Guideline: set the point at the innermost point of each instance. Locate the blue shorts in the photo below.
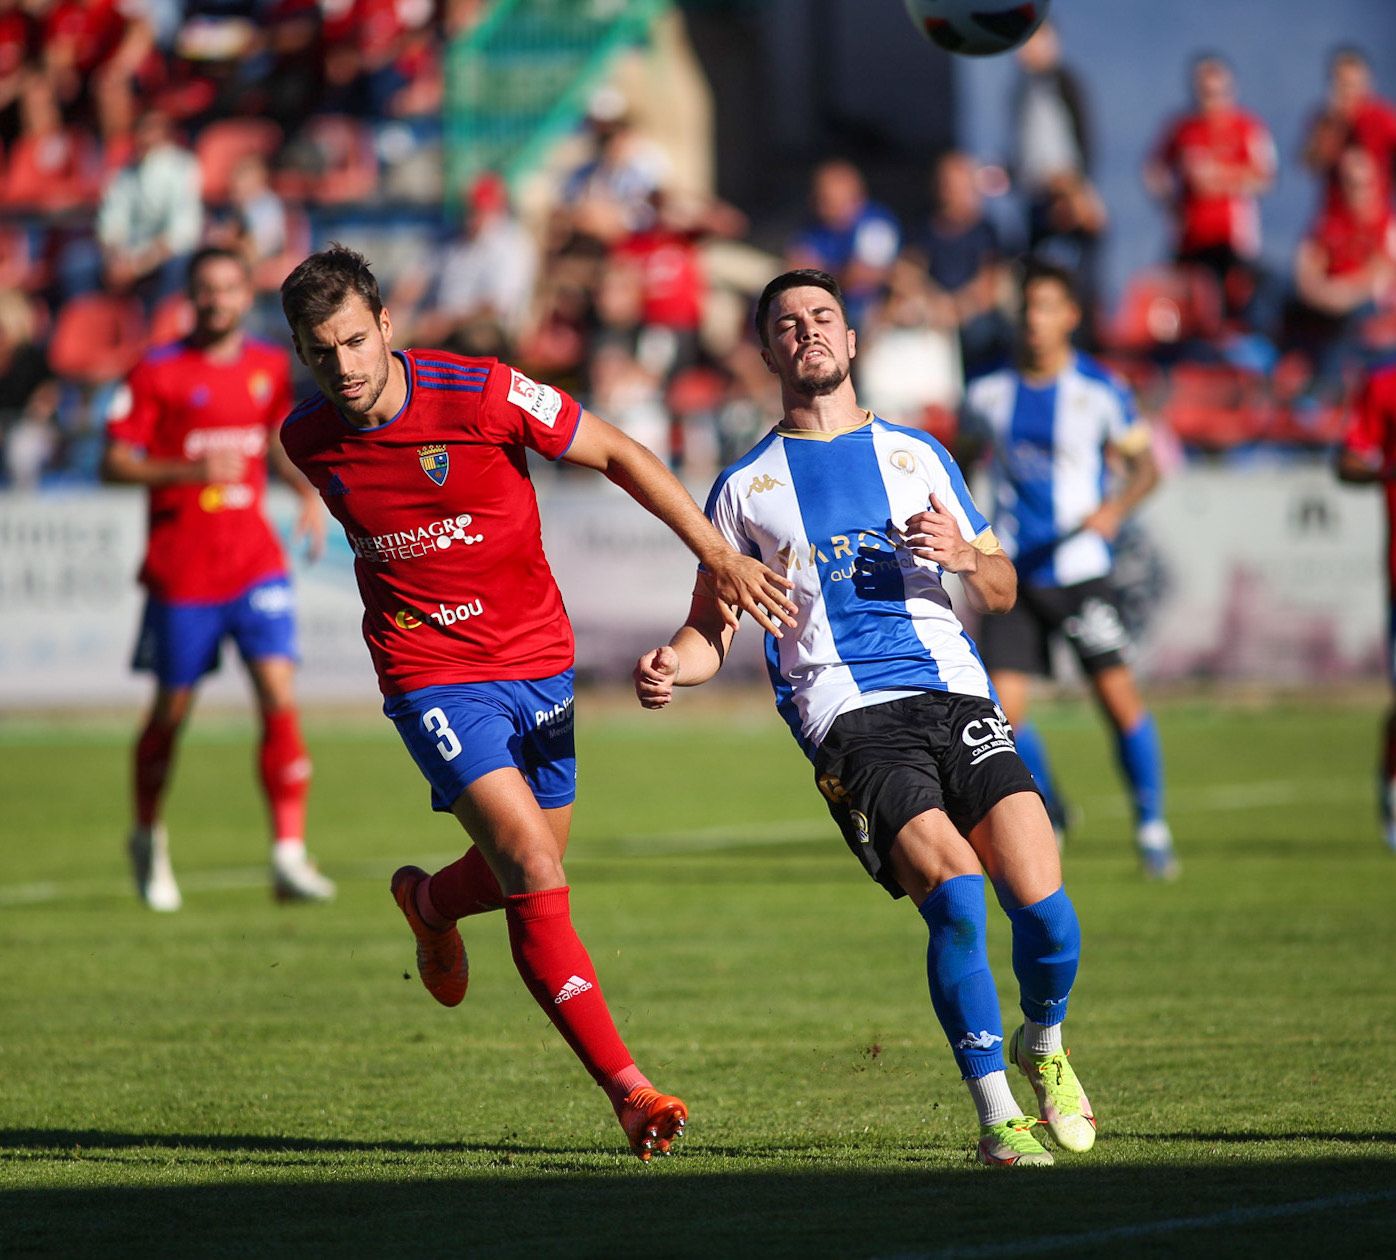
(459, 732)
(179, 643)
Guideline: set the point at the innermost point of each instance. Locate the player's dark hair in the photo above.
(209, 252)
(802, 278)
(317, 288)
(1038, 270)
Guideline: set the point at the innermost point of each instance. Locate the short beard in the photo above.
(369, 400)
(822, 380)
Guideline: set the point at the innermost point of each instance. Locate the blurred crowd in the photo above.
(135, 130)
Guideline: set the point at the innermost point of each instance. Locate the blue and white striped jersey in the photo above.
(874, 621)
(1048, 468)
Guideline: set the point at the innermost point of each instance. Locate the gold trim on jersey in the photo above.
(987, 543)
(816, 435)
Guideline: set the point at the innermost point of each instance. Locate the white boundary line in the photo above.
(1148, 1229)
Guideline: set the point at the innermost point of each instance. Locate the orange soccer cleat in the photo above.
(652, 1121)
(441, 960)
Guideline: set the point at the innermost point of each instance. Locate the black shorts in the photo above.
(880, 767)
(1086, 615)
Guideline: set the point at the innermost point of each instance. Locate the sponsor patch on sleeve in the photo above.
(542, 402)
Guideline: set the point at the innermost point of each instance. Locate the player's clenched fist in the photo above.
(656, 673)
(935, 535)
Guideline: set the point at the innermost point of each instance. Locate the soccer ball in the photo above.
(977, 28)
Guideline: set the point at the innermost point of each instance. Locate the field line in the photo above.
(1149, 1229)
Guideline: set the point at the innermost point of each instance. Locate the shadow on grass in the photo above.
(525, 1201)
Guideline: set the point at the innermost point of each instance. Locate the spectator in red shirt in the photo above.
(93, 53)
(1353, 116)
(1344, 268)
(1209, 167)
(18, 39)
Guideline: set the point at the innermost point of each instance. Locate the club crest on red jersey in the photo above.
(436, 462)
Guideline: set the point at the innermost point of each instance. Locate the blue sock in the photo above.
(1141, 758)
(1046, 953)
(957, 965)
(1034, 754)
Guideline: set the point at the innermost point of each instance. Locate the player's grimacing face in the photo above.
(348, 355)
(810, 343)
(221, 295)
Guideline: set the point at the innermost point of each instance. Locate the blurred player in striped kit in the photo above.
(886, 695)
(1058, 425)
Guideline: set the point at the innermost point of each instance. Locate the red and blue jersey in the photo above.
(208, 543)
(1371, 434)
(439, 509)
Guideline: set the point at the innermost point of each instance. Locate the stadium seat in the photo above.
(171, 320)
(268, 274)
(1215, 406)
(51, 173)
(223, 144)
(1166, 306)
(97, 338)
(331, 162)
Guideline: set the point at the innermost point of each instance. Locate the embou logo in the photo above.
(763, 483)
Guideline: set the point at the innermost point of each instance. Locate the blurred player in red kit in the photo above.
(196, 424)
(1368, 454)
(422, 457)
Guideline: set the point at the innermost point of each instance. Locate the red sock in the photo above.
(554, 965)
(285, 768)
(154, 758)
(466, 887)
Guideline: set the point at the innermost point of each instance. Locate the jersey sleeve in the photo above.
(1125, 429)
(134, 409)
(519, 411)
(948, 485)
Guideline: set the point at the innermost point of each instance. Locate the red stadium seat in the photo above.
(97, 338)
(223, 144)
(1215, 406)
(1166, 306)
(171, 320)
(334, 162)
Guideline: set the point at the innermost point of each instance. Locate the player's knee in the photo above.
(1048, 928)
(533, 870)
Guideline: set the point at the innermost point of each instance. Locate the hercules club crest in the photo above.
(436, 462)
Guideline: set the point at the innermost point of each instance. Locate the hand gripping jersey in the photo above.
(874, 622)
(1048, 467)
(440, 512)
(1372, 435)
(208, 543)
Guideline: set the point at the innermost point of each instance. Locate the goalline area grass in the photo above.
(244, 1078)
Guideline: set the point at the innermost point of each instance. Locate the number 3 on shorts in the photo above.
(448, 745)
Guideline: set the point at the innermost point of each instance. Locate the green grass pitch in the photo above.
(248, 1079)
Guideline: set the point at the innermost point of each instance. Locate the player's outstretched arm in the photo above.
(125, 464)
(738, 581)
(691, 657)
(990, 580)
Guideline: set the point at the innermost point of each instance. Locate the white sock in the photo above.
(1042, 1038)
(993, 1100)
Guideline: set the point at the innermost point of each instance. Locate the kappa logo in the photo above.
(435, 461)
(759, 485)
(982, 1040)
(1097, 629)
(574, 987)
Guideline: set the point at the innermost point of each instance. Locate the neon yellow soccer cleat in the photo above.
(1065, 1109)
(1012, 1142)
